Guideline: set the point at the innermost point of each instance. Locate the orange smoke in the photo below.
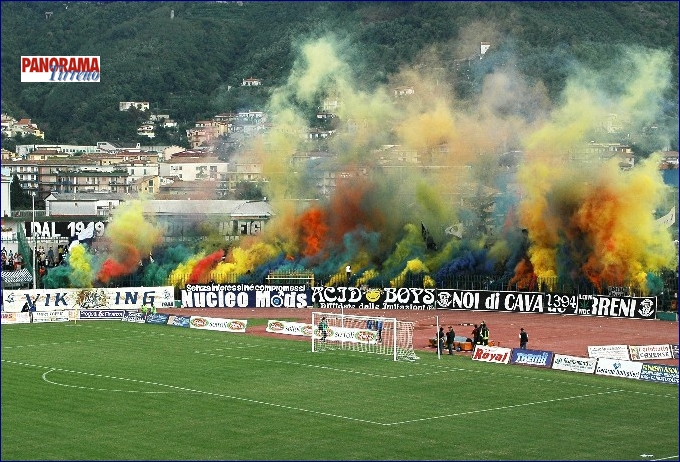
(313, 231)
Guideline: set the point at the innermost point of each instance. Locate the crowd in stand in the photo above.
(11, 261)
(50, 258)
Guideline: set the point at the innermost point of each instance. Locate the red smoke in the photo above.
(351, 208)
(524, 277)
(201, 272)
(113, 268)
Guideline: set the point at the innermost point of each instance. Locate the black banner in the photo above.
(389, 298)
(552, 303)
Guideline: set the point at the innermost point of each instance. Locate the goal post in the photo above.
(366, 334)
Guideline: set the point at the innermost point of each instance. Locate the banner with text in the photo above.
(245, 296)
(617, 368)
(646, 352)
(389, 298)
(539, 302)
(491, 354)
(126, 298)
(289, 328)
(531, 357)
(348, 334)
(52, 316)
(619, 352)
(16, 318)
(574, 364)
(224, 325)
(179, 321)
(659, 373)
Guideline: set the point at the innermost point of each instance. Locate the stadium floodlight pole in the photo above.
(35, 239)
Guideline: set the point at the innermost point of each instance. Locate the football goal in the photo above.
(368, 334)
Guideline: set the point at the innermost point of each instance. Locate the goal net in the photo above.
(368, 334)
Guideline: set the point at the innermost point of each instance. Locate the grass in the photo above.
(104, 390)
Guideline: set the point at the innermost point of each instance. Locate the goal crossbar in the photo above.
(368, 334)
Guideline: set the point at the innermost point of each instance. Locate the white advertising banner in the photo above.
(289, 328)
(16, 318)
(574, 364)
(224, 325)
(348, 334)
(121, 298)
(52, 316)
(619, 352)
(646, 352)
(618, 368)
(491, 354)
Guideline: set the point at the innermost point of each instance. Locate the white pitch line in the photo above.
(70, 342)
(295, 408)
(294, 363)
(501, 408)
(665, 458)
(208, 393)
(317, 366)
(44, 377)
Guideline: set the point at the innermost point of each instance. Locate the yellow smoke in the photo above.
(80, 262)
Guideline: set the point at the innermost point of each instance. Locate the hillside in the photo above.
(191, 65)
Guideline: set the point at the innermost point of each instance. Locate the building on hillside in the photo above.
(90, 204)
(119, 157)
(484, 47)
(23, 150)
(251, 82)
(205, 131)
(147, 129)
(146, 185)
(331, 105)
(245, 169)
(11, 127)
(8, 155)
(140, 105)
(193, 168)
(45, 154)
(6, 207)
(403, 91)
(107, 146)
(138, 169)
(669, 160)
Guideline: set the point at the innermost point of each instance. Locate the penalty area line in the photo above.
(201, 392)
(502, 408)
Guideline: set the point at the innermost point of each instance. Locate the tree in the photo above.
(246, 190)
(19, 199)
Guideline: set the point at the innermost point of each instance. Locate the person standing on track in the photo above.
(484, 333)
(450, 336)
(440, 340)
(523, 338)
(475, 336)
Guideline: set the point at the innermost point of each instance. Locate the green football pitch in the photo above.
(106, 390)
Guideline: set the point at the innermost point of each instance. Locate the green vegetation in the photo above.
(191, 66)
(115, 390)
